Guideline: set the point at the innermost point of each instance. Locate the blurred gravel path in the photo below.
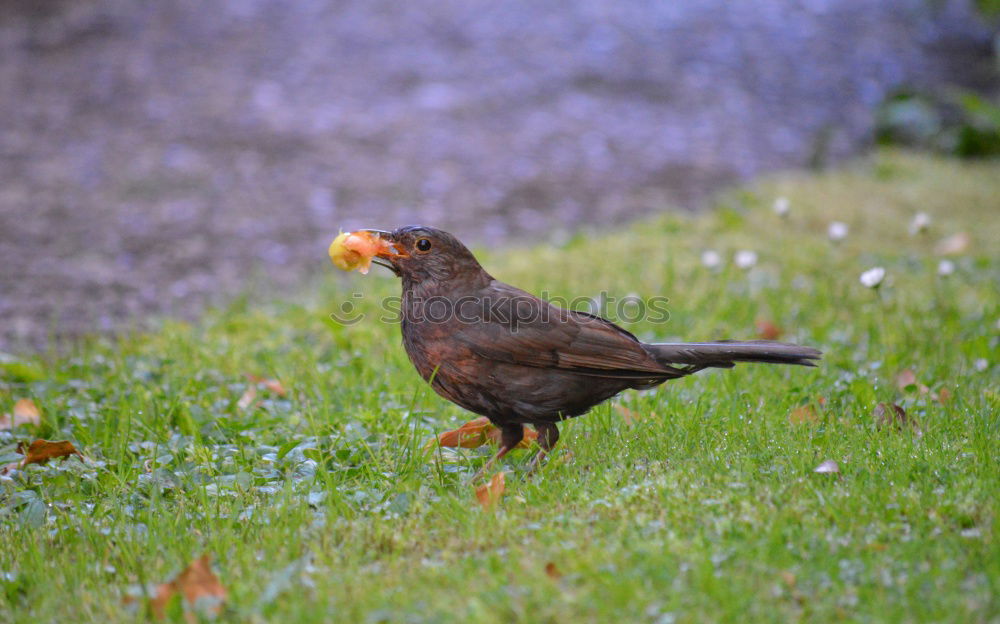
(155, 154)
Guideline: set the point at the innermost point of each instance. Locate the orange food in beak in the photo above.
(355, 250)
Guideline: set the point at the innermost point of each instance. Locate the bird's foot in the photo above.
(479, 473)
(510, 437)
(486, 468)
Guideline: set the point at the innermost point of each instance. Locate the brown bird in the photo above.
(505, 354)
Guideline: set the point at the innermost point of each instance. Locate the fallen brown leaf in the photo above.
(767, 330)
(41, 451)
(272, 385)
(953, 245)
(195, 582)
(248, 397)
(803, 415)
(25, 412)
(553, 571)
(943, 395)
(489, 494)
(478, 432)
(892, 415)
(631, 416)
(905, 379)
(470, 435)
(889, 414)
(827, 467)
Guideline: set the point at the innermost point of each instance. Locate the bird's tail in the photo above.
(725, 354)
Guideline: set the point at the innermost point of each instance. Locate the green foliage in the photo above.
(322, 505)
(962, 123)
(989, 8)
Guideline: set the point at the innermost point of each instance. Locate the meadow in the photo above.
(293, 450)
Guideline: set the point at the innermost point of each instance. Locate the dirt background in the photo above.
(156, 154)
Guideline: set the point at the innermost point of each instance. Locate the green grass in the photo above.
(321, 506)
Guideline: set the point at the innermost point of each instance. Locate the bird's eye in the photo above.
(424, 244)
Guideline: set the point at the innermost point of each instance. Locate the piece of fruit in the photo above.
(355, 250)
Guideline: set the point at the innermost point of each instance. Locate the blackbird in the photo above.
(505, 354)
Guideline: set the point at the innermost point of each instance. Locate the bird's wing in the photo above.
(523, 329)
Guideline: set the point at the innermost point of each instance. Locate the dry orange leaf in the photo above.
(489, 494)
(631, 416)
(271, 385)
(25, 412)
(905, 379)
(803, 415)
(41, 451)
(248, 397)
(194, 582)
(553, 571)
(478, 432)
(470, 435)
(768, 330)
(943, 395)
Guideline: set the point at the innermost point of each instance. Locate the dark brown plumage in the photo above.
(505, 354)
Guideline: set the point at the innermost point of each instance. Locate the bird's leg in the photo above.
(510, 436)
(548, 435)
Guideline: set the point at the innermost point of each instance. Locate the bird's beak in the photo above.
(387, 258)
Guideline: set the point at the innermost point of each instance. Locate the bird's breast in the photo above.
(425, 345)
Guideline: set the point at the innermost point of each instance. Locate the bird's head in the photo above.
(420, 254)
